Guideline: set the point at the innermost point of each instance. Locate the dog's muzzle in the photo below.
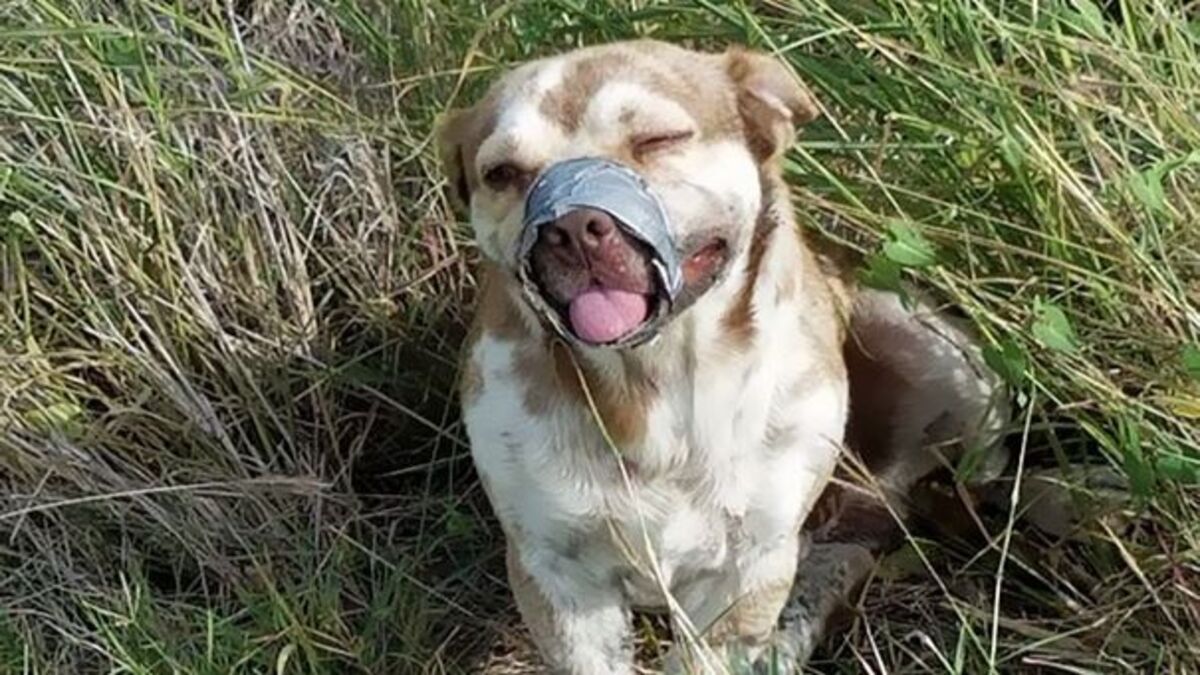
(602, 184)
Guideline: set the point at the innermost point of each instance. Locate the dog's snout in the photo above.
(586, 248)
(583, 229)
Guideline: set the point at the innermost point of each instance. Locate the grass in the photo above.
(232, 291)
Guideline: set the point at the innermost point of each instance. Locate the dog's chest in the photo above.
(723, 459)
(647, 527)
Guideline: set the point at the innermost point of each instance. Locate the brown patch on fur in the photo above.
(689, 82)
(837, 266)
(738, 320)
(566, 104)
(622, 407)
(686, 77)
(538, 378)
(876, 390)
(551, 375)
(459, 136)
(497, 313)
(771, 102)
(470, 383)
(753, 615)
(470, 380)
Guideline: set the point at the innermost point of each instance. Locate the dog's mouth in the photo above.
(601, 294)
(607, 302)
(600, 315)
(597, 258)
(703, 264)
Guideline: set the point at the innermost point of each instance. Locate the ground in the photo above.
(232, 292)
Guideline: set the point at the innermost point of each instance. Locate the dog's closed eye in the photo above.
(650, 143)
(505, 175)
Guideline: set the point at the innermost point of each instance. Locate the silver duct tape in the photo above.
(590, 182)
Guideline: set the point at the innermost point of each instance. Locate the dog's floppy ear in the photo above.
(771, 101)
(451, 130)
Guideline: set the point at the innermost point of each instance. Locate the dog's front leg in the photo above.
(737, 612)
(579, 624)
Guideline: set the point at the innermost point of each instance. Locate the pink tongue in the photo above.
(605, 314)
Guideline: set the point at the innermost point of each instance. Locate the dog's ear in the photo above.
(451, 130)
(772, 102)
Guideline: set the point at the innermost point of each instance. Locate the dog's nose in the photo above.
(583, 229)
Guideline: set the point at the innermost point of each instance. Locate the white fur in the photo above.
(723, 167)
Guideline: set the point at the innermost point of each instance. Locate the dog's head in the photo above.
(701, 132)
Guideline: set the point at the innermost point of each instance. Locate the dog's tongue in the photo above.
(605, 314)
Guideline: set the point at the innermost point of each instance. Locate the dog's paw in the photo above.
(777, 656)
(820, 599)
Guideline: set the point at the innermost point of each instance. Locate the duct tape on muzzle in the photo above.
(596, 183)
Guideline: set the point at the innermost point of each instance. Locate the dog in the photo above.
(680, 472)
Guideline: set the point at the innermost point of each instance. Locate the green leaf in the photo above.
(458, 524)
(122, 52)
(1191, 361)
(1140, 472)
(1008, 360)
(1087, 19)
(62, 417)
(1093, 18)
(1052, 328)
(908, 247)
(1147, 185)
(1178, 468)
(16, 225)
(902, 563)
(881, 273)
(1010, 152)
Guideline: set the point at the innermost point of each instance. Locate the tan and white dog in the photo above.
(678, 474)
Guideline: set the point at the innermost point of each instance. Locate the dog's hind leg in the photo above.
(920, 396)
